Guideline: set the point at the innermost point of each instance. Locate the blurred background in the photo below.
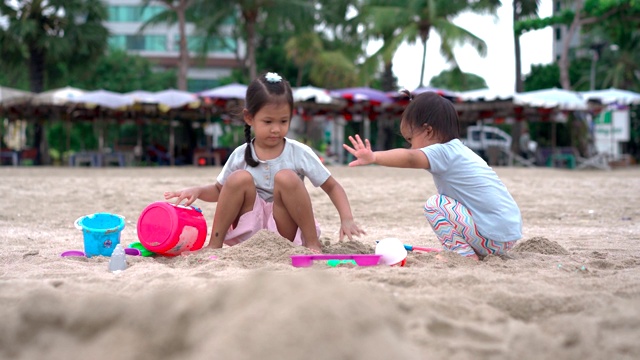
(126, 82)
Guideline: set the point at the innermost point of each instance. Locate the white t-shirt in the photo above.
(295, 156)
(461, 174)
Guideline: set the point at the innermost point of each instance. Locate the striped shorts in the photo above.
(454, 226)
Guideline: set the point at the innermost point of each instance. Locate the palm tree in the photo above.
(48, 35)
(522, 9)
(42, 33)
(258, 19)
(302, 50)
(413, 20)
(619, 43)
(176, 12)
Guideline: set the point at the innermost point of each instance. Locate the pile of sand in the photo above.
(539, 245)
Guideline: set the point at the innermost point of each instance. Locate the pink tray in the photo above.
(360, 259)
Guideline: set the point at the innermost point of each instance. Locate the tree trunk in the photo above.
(250, 23)
(183, 63)
(424, 36)
(563, 64)
(36, 70)
(516, 42)
(299, 78)
(424, 62)
(388, 83)
(36, 84)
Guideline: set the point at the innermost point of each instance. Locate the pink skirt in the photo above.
(260, 218)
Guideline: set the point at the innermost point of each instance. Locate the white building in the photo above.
(160, 43)
(560, 32)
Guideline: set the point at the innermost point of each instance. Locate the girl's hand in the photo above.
(315, 248)
(362, 151)
(350, 229)
(190, 194)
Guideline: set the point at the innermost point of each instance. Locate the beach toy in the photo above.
(141, 249)
(118, 261)
(360, 259)
(101, 232)
(392, 251)
(335, 262)
(128, 251)
(168, 229)
(420, 248)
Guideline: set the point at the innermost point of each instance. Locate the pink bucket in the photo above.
(168, 229)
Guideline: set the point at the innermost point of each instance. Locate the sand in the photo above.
(569, 290)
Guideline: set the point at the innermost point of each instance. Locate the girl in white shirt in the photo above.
(262, 184)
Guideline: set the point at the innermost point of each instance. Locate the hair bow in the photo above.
(273, 77)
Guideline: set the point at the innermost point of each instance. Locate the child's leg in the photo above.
(484, 247)
(292, 209)
(237, 197)
(452, 223)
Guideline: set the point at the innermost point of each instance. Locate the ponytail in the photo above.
(248, 156)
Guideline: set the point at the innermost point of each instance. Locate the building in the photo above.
(560, 32)
(160, 43)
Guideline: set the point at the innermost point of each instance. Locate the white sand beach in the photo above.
(570, 289)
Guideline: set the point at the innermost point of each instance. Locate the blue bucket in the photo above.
(101, 232)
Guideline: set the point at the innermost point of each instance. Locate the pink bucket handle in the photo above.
(189, 207)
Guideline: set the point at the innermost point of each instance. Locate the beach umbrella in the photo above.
(173, 99)
(485, 94)
(59, 96)
(11, 96)
(612, 96)
(141, 96)
(451, 95)
(103, 98)
(312, 93)
(358, 94)
(551, 98)
(363, 95)
(230, 91)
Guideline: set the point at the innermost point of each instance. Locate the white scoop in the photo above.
(392, 251)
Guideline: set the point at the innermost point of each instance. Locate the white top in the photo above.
(295, 156)
(461, 174)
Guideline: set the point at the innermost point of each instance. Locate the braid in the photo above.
(248, 157)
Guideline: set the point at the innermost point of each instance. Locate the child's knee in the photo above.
(287, 179)
(239, 178)
(433, 202)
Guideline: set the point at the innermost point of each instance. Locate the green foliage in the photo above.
(457, 80)
(548, 76)
(82, 137)
(564, 18)
(413, 20)
(40, 34)
(120, 72)
(333, 70)
(273, 57)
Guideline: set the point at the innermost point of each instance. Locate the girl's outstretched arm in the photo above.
(401, 158)
(339, 199)
(207, 193)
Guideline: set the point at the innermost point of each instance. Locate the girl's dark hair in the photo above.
(262, 92)
(431, 109)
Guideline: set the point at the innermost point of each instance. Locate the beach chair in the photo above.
(598, 161)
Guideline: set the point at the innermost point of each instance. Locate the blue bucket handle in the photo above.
(77, 222)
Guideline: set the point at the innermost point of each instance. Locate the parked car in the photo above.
(480, 138)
